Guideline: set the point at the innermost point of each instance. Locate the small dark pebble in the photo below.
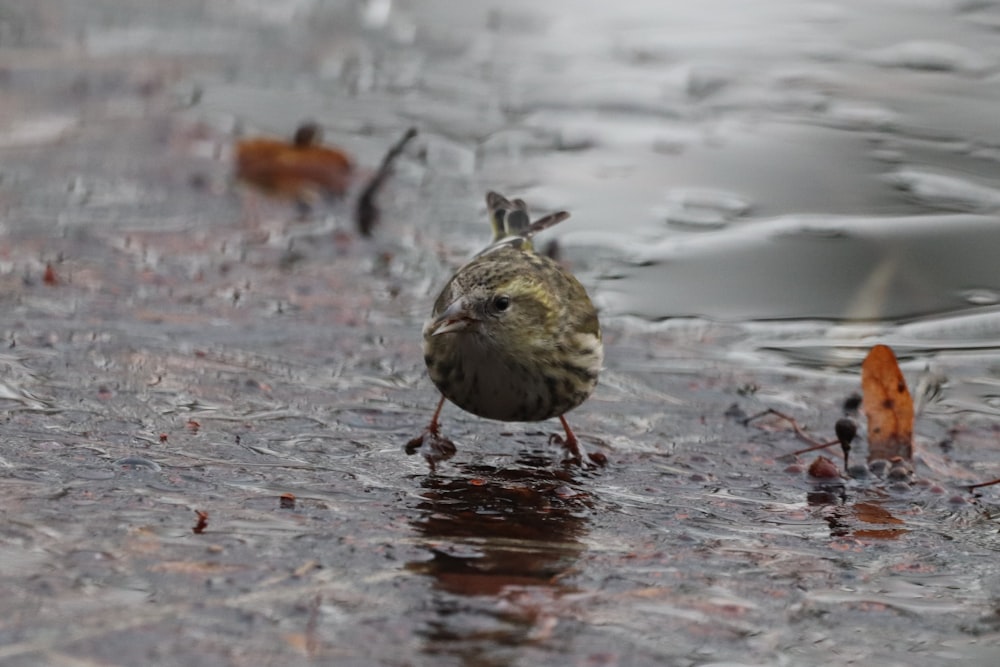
(958, 500)
(795, 469)
(899, 487)
(823, 468)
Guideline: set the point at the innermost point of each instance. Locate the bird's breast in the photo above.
(488, 383)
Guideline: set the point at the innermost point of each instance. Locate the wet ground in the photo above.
(759, 195)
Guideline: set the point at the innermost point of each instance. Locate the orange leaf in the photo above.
(887, 405)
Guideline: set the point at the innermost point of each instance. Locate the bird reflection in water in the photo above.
(501, 543)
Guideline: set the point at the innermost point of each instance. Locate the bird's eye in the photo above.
(501, 303)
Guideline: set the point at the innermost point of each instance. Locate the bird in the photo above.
(303, 170)
(513, 336)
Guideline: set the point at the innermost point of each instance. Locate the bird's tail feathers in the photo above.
(510, 218)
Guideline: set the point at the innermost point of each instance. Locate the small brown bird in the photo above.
(513, 336)
(303, 171)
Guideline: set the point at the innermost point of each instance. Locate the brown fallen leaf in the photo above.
(887, 405)
(303, 170)
(202, 524)
(874, 513)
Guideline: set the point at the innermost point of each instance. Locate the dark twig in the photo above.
(973, 487)
(802, 435)
(367, 214)
(820, 445)
(845, 428)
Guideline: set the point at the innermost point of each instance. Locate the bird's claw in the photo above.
(432, 446)
(572, 447)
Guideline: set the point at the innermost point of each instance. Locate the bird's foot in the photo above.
(572, 447)
(432, 446)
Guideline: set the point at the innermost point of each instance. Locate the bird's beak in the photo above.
(456, 317)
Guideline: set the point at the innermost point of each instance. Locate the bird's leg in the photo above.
(430, 443)
(435, 426)
(572, 445)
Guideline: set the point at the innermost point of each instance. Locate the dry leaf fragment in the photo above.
(202, 524)
(887, 405)
(303, 170)
(875, 513)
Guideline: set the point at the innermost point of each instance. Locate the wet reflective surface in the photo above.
(758, 197)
